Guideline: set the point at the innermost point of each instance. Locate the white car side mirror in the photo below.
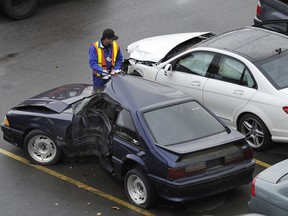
(168, 70)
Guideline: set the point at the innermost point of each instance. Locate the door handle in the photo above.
(238, 92)
(196, 83)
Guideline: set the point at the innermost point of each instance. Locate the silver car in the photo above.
(269, 192)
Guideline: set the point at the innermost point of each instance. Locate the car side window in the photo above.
(195, 63)
(234, 71)
(125, 128)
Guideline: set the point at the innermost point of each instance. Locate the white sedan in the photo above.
(242, 76)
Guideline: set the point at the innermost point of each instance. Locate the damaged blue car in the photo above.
(157, 140)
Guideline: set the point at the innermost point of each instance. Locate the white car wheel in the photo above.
(41, 148)
(256, 133)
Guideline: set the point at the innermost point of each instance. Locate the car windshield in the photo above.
(275, 69)
(186, 45)
(181, 123)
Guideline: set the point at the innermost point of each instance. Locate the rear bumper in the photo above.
(201, 187)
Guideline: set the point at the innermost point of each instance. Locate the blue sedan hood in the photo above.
(58, 99)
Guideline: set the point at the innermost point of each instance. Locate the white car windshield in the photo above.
(181, 123)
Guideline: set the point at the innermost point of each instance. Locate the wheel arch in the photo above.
(260, 114)
(31, 128)
(130, 162)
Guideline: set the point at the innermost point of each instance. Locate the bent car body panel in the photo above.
(58, 99)
(155, 48)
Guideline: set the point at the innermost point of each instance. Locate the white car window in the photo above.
(276, 68)
(234, 71)
(247, 79)
(195, 63)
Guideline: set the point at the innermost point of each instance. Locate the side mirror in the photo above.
(168, 70)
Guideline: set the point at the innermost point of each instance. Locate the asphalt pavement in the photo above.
(50, 49)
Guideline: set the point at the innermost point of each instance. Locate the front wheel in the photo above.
(256, 133)
(138, 189)
(41, 149)
(19, 9)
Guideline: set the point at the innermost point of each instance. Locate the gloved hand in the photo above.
(113, 72)
(105, 73)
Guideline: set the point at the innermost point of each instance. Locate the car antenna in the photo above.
(279, 51)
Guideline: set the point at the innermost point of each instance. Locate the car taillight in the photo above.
(258, 9)
(190, 170)
(285, 108)
(6, 122)
(176, 173)
(253, 191)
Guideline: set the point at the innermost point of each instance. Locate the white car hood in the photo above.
(153, 49)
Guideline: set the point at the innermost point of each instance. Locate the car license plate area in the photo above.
(215, 163)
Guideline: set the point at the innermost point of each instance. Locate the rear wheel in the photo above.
(138, 189)
(18, 9)
(41, 149)
(255, 131)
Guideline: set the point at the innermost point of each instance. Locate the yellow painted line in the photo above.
(261, 163)
(77, 183)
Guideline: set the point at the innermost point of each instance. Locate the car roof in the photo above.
(137, 93)
(251, 42)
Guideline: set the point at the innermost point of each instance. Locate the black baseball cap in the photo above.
(109, 33)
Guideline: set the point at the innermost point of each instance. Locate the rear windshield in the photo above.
(275, 69)
(181, 123)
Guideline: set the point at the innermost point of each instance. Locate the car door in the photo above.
(189, 73)
(126, 142)
(91, 133)
(91, 128)
(230, 89)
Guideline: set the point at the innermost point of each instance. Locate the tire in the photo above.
(256, 133)
(19, 9)
(138, 189)
(41, 149)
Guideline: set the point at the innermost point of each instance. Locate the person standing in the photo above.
(104, 57)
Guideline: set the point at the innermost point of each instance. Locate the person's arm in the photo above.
(93, 60)
(119, 60)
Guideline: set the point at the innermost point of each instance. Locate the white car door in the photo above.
(188, 73)
(229, 90)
